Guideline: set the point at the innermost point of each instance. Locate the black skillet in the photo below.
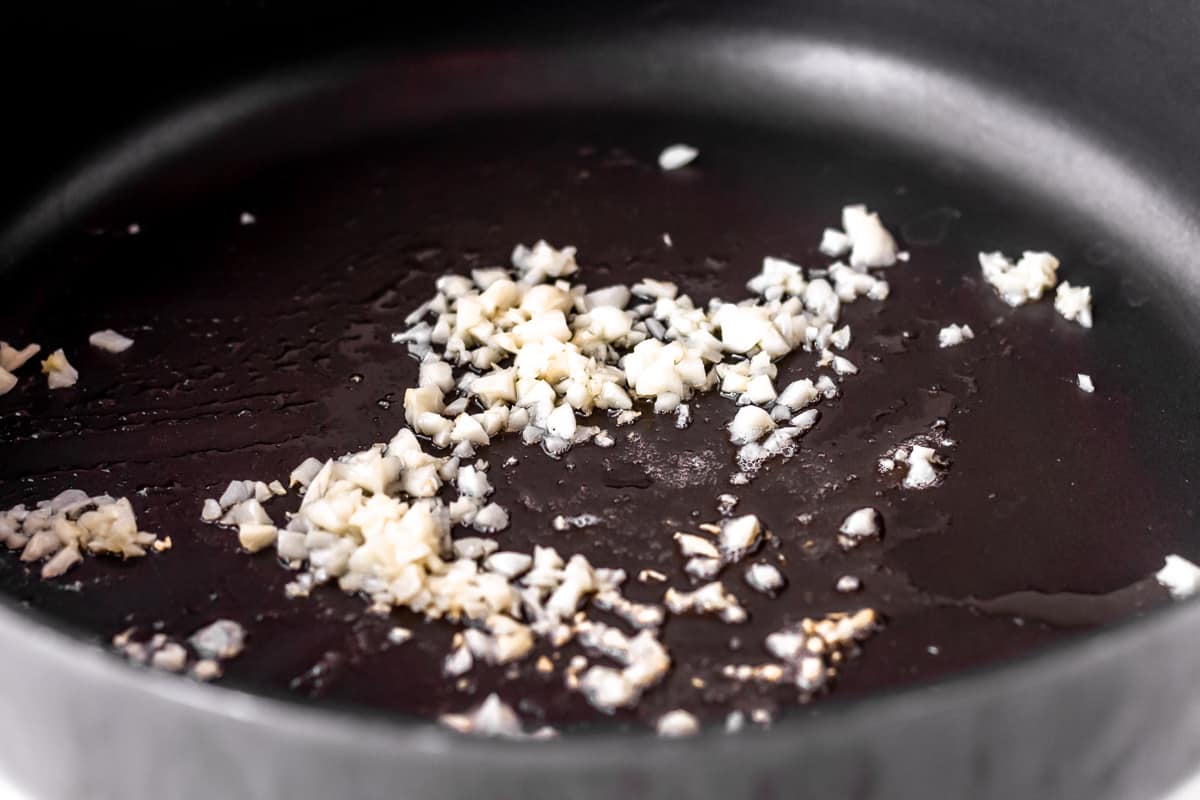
(973, 125)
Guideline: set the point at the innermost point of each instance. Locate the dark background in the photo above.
(74, 75)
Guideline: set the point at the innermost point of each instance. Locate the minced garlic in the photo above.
(1023, 281)
(61, 531)
(59, 372)
(110, 341)
(677, 156)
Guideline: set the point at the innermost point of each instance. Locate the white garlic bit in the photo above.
(738, 537)
(110, 341)
(12, 359)
(1084, 382)
(764, 578)
(59, 372)
(677, 724)
(848, 584)
(1074, 303)
(691, 545)
(1180, 577)
(798, 394)
(749, 425)
(712, 598)
(255, 536)
(871, 245)
(857, 527)
(843, 366)
(60, 531)
(222, 639)
(643, 658)
(921, 472)
(304, 474)
(954, 335)
(834, 243)
(676, 156)
(528, 350)
(1019, 283)
(493, 718)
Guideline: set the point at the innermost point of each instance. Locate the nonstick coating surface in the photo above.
(248, 338)
(260, 345)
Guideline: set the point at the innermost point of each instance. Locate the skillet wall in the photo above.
(76, 75)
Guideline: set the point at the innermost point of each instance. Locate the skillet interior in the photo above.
(327, 216)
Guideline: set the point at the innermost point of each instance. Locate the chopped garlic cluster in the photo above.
(736, 538)
(526, 350)
(711, 598)
(60, 374)
(643, 663)
(1030, 277)
(1023, 281)
(12, 359)
(241, 506)
(809, 652)
(812, 649)
(209, 647)
(371, 522)
(860, 526)
(493, 718)
(73, 524)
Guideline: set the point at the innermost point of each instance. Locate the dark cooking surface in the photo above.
(249, 339)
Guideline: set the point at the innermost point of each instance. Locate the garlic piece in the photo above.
(1019, 283)
(59, 372)
(871, 245)
(764, 578)
(954, 335)
(110, 341)
(677, 156)
(863, 524)
(798, 394)
(921, 472)
(254, 536)
(749, 425)
(1074, 303)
